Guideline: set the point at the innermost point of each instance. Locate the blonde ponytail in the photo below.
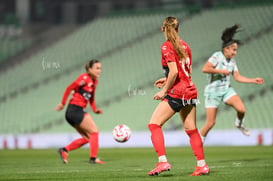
(170, 26)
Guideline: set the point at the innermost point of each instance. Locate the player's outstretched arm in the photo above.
(239, 78)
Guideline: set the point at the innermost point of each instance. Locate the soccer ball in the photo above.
(121, 133)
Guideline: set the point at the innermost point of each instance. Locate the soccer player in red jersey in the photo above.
(178, 94)
(84, 91)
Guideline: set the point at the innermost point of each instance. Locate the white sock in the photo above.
(238, 122)
(162, 158)
(203, 138)
(201, 163)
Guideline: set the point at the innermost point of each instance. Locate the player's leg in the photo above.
(188, 116)
(75, 144)
(210, 122)
(74, 116)
(238, 105)
(162, 113)
(212, 103)
(90, 130)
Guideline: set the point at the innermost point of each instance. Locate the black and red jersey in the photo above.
(84, 91)
(183, 87)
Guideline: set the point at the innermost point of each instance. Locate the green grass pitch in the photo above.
(226, 163)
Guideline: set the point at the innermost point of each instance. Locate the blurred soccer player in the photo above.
(84, 91)
(178, 94)
(219, 67)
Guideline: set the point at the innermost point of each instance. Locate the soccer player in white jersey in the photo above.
(219, 67)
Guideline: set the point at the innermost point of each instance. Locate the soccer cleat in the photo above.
(244, 130)
(63, 155)
(241, 127)
(160, 167)
(200, 170)
(96, 161)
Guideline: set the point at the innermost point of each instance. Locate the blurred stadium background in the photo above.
(44, 45)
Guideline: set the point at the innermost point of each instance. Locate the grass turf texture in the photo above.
(226, 163)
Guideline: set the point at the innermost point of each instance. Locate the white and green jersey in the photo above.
(219, 83)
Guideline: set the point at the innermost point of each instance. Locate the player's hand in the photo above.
(160, 83)
(98, 111)
(160, 95)
(59, 107)
(259, 80)
(225, 72)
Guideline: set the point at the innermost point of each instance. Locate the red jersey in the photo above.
(183, 87)
(84, 91)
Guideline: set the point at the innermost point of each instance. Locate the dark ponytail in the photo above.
(228, 34)
(90, 64)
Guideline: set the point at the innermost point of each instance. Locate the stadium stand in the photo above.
(130, 65)
(41, 67)
(92, 40)
(11, 37)
(200, 80)
(11, 46)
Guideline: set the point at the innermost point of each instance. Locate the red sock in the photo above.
(196, 144)
(157, 139)
(94, 144)
(76, 144)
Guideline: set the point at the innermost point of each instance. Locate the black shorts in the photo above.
(177, 104)
(74, 114)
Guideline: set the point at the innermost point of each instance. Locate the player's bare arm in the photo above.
(209, 68)
(171, 78)
(160, 82)
(239, 78)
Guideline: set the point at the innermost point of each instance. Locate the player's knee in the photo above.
(95, 130)
(91, 131)
(154, 121)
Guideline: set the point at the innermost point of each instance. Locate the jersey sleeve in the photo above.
(76, 83)
(92, 99)
(67, 91)
(235, 68)
(81, 80)
(213, 59)
(168, 53)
